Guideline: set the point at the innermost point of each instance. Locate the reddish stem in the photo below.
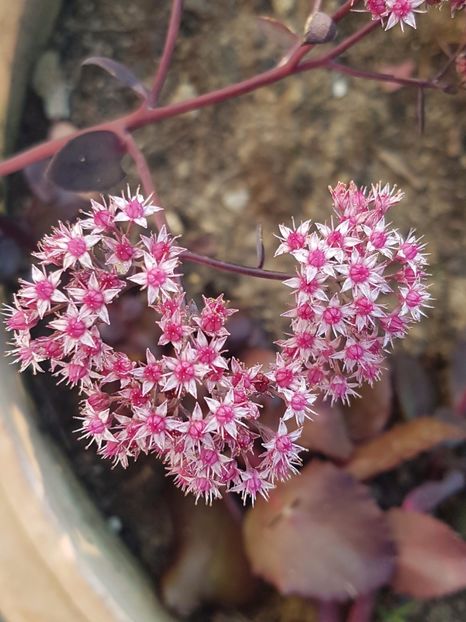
(450, 61)
(384, 77)
(340, 48)
(143, 115)
(225, 266)
(344, 10)
(145, 176)
(160, 220)
(170, 42)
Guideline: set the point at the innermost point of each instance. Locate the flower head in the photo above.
(188, 401)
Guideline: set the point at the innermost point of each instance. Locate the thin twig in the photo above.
(344, 10)
(438, 76)
(225, 266)
(260, 250)
(160, 220)
(170, 41)
(421, 110)
(145, 176)
(347, 43)
(385, 77)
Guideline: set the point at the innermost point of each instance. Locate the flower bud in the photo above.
(319, 28)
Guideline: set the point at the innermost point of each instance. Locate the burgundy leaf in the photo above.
(119, 71)
(431, 556)
(320, 535)
(50, 203)
(367, 415)
(327, 432)
(400, 443)
(89, 162)
(426, 496)
(67, 204)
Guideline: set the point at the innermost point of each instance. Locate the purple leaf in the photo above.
(427, 496)
(89, 162)
(431, 557)
(327, 432)
(65, 202)
(320, 535)
(119, 71)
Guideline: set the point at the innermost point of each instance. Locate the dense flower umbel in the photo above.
(358, 285)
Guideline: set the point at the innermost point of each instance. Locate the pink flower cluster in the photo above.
(393, 12)
(358, 286)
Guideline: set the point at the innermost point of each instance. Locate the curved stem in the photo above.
(160, 220)
(145, 176)
(384, 77)
(170, 41)
(344, 10)
(225, 266)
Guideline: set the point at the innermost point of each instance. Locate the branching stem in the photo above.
(145, 114)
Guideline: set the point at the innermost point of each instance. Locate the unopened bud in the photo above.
(320, 28)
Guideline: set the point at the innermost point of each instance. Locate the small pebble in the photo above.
(339, 87)
(236, 200)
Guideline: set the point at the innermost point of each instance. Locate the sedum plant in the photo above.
(358, 285)
(355, 285)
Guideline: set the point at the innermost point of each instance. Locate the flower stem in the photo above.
(170, 41)
(225, 266)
